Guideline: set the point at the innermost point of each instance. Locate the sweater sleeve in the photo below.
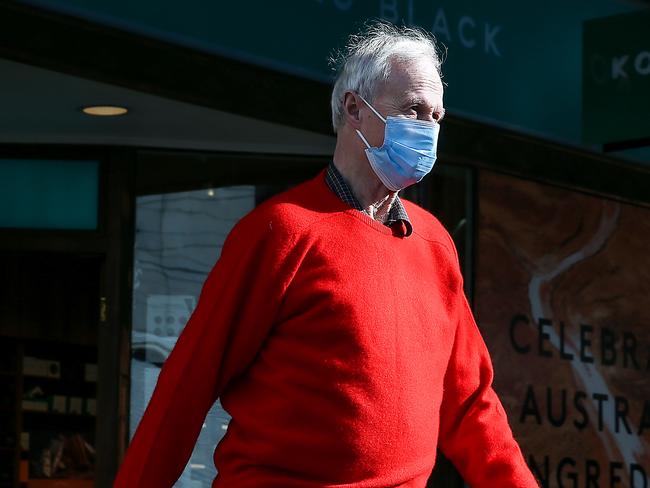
(474, 430)
(233, 316)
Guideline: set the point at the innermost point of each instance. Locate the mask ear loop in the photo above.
(372, 108)
(363, 139)
(376, 113)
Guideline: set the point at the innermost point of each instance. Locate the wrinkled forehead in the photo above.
(412, 77)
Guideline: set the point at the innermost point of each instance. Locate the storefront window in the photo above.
(178, 239)
(561, 299)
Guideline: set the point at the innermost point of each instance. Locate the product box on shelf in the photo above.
(41, 367)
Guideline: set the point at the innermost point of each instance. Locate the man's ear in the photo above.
(351, 106)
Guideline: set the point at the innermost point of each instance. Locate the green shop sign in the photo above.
(509, 63)
(616, 78)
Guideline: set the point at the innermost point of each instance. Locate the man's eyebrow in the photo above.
(413, 100)
(410, 100)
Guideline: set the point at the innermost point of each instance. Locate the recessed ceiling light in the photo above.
(104, 110)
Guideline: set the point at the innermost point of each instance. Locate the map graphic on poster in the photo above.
(561, 295)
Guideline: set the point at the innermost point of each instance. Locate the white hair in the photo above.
(364, 63)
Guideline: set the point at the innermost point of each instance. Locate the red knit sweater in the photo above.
(344, 354)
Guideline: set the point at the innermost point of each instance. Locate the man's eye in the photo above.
(412, 112)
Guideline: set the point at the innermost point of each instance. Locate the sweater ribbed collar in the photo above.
(342, 189)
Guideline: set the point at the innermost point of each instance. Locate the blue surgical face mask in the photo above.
(408, 152)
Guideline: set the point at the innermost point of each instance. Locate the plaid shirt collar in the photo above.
(339, 186)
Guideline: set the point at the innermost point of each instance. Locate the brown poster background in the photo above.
(562, 297)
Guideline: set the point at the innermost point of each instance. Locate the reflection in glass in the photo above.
(178, 238)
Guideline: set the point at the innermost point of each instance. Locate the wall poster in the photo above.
(562, 298)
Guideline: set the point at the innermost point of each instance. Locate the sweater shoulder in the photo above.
(287, 214)
(428, 227)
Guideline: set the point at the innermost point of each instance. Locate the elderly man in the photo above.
(334, 327)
